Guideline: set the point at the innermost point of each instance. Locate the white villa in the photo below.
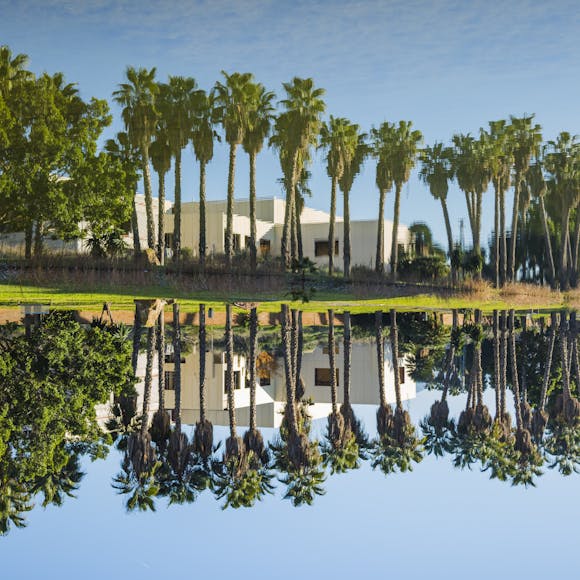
(270, 222)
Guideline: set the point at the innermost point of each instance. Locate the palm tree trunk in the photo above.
(294, 228)
(346, 232)
(503, 252)
(395, 355)
(136, 340)
(394, 243)
(565, 359)
(202, 220)
(38, 238)
(253, 234)
(290, 383)
(229, 250)
(515, 215)
(161, 220)
(253, 352)
(161, 360)
(564, 224)
(477, 233)
(202, 357)
(230, 371)
(503, 362)
(148, 379)
(347, 359)
(549, 253)
(449, 237)
(177, 225)
(496, 356)
(290, 199)
(299, 231)
(380, 260)
(331, 226)
(177, 359)
(548, 367)
(514, 368)
(332, 361)
(496, 236)
(575, 248)
(380, 357)
(148, 194)
(300, 347)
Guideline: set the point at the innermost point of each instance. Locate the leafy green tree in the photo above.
(160, 153)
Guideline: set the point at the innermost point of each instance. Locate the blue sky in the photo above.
(449, 66)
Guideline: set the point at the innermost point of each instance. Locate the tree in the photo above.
(296, 130)
(258, 128)
(138, 98)
(160, 153)
(202, 136)
(436, 172)
(339, 138)
(178, 102)
(351, 170)
(233, 97)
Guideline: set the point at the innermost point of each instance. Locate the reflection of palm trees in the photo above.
(15, 500)
(398, 447)
(540, 416)
(436, 427)
(567, 407)
(161, 424)
(203, 436)
(339, 450)
(295, 455)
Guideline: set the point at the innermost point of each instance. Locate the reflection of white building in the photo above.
(271, 393)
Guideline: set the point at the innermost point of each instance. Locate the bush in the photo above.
(423, 268)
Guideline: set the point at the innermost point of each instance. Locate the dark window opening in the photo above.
(321, 248)
(264, 248)
(169, 381)
(322, 377)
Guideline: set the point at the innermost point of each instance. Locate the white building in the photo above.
(269, 226)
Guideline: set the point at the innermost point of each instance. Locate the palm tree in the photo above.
(402, 155)
(203, 436)
(351, 170)
(161, 425)
(526, 139)
(178, 103)
(437, 172)
(15, 500)
(296, 131)
(500, 160)
(233, 98)
(384, 181)
(258, 128)
(538, 189)
(12, 70)
(339, 138)
(202, 136)
(471, 167)
(137, 97)
(561, 160)
(160, 154)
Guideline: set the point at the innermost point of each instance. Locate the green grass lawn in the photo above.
(121, 298)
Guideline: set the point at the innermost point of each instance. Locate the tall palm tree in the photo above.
(402, 155)
(339, 138)
(351, 170)
(259, 120)
(500, 161)
(296, 131)
(561, 160)
(160, 154)
(233, 98)
(137, 97)
(437, 171)
(178, 99)
(384, 180)
(202, 137)
(526, 139)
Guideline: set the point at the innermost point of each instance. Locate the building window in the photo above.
(169, 381)
(237, 380)
(265, 381)
(170, 358)
(236, 242)
(322, 377)
(326, 350)
(321, 248)
(264, 248)
(247, 241)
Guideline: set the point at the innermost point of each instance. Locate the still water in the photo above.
(429, 468)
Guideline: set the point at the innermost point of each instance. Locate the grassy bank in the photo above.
(91, 296)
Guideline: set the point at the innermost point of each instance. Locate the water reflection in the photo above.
(280, 376)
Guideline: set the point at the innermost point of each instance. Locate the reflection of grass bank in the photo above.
(89, 296)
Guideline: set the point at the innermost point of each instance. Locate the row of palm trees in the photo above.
(161, 119)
